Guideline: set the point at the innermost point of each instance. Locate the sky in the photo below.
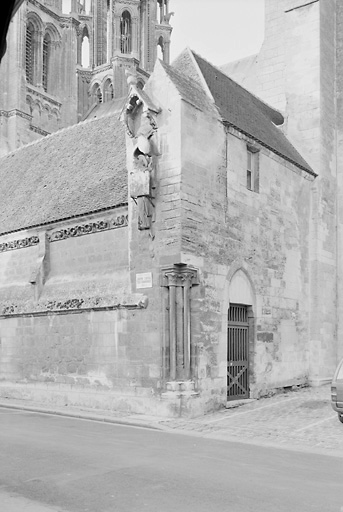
(219, 30)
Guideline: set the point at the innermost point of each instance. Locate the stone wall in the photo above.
(297, 71)
(71, 331)
(339, 128)
(227, 228)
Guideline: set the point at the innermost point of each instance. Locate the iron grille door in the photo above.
(238, 353)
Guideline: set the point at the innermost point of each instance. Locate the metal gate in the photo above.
(238, 353)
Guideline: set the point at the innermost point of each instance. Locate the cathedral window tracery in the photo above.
(125, 33)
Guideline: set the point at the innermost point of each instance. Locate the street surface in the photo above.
(302, 420)
(58, 464)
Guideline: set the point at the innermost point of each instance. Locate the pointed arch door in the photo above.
(238, 352)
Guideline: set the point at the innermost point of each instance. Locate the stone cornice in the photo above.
(103, 67)
(64, 20)
(36, 129)
(43, 95)
(45, 9)
(129, 2)
(69, 22)
(15, 112)
(143, 72)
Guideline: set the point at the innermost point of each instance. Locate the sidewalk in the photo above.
(301, 420)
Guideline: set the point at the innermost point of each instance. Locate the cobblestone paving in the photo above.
(300, 419)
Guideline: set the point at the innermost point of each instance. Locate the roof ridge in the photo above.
(182, 75)
(190, 89)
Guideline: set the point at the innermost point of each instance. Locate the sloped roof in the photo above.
(189, 89)
(244, 111)
(75, 171)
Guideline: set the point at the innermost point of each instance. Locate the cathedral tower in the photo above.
(66, 56)
(127, 35)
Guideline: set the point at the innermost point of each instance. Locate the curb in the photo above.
(83, 416)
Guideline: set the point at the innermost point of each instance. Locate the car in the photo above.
(337, 391)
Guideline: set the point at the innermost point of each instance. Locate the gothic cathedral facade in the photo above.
(66, 56)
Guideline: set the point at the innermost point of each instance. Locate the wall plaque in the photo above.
(144, 280)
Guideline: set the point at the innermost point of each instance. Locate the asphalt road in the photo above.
(53, 463)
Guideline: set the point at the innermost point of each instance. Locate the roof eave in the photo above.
(63, 219)
(308, 169)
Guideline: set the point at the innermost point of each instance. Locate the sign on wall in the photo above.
(144, 280)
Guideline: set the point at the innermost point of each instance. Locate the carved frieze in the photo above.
(19, 244)
(62, 234)
(86, 229)
(73, 305)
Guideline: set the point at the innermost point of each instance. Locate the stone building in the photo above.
(298, 72)
(185, 252)
(66, 56)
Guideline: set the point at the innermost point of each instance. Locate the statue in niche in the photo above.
(141, 127)
(143, 168)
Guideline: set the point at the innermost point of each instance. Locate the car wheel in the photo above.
(340, 417)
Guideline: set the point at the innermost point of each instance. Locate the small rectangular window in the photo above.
(249, 179)
(252, 169)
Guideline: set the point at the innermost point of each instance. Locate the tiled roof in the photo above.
(244, 111)
(189, 89)
(78, 170)
(108, 107)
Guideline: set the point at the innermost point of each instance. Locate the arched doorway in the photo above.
(240, 336)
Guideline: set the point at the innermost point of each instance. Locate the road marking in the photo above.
(251, 410)
(314, 424)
